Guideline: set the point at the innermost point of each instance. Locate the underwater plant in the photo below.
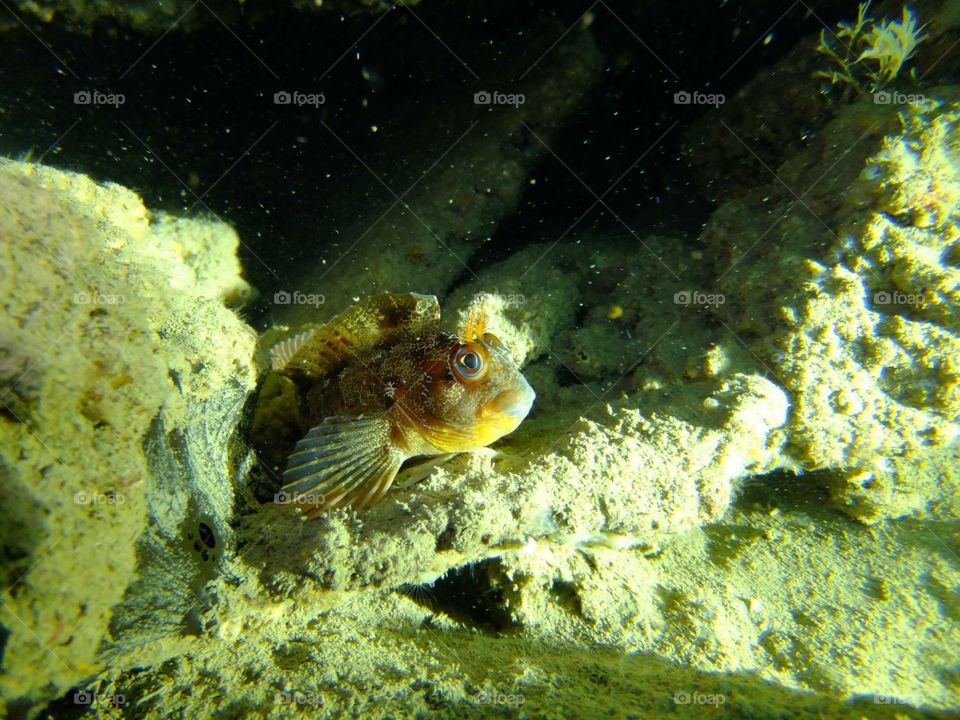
(872, 52)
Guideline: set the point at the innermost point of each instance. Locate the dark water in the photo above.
(199, 131)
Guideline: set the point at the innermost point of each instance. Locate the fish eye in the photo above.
(468, 363)
(471, 360)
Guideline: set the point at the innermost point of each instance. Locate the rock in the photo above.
(117, 352)
(861, 328)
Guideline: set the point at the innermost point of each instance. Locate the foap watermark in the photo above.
(299, 99)
(506, 299)
(683, 97)
(881, 699)
(895, 97)
(95, 97)
(897, 298)
(295, 697)
(493, 697)
(282, 297)
(98, 298)
(285, 498)
(84, 497)
(484, 97)
(682, 697)
(89, 697)
(697, 298)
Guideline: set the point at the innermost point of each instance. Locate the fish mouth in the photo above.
(514, 403)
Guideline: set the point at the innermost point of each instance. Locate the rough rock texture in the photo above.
(861, 326)
(92, 291)
(750, 612)
(732, 597)
(606, 520)
(629, 479)
(529, 302)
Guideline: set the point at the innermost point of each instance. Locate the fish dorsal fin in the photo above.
(379, 319)
(476, 320)
(283, 351)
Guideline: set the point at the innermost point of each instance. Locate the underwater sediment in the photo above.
(738, 485)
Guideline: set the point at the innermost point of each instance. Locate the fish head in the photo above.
(481, 396)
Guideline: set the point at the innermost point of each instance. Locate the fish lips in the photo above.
(513, 404)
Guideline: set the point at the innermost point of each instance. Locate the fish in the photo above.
(348, 402)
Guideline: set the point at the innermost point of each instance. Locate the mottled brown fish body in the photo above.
(379, 384)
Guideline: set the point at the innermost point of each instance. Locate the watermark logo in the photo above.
(299, 99)
(880, 699)
(282, 297)
(295, 697)
(499, 698)
(95, 97)
(683, 97)
(507, 299)
(285, 498)
(697, 298)
(98, 298)
(98, 498)
(895, 97)
(485, 97)
(897, 298)
(88, 697)
(682, 697)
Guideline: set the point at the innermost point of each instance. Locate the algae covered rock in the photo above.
(874, 341)
(767, 593)
(525, 316)
(93, 287)
(860, 324)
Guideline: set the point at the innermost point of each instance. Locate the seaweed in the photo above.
(868, 54)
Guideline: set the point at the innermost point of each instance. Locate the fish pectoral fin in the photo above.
(342, 461)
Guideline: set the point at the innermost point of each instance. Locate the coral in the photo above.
(866, 389)
(92, 288)
(892, 306)
(890, 44)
